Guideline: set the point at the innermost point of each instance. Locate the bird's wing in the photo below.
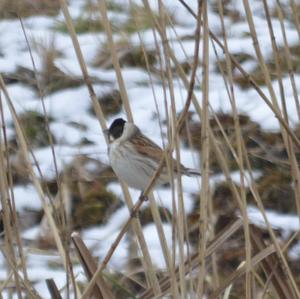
(147, 147)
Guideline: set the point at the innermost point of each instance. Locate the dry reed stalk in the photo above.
(41, 94)
(225, 169)
(97, 108)
(169, 163)
(136, 207)
(279, 252)
(191, 83)
(240, 142)
(25, 152)
(162, 239)
(55, 294)
(215, 145)
(252, 186)
(239, 155)
(287, 55)
(199, 111)
(169, 257)
(260, 57)
(13, 216)
(288, 143)
(5, 283)
(252, 82)
(289, 132)
(12, 269)
(137, 227)
(115, 60)
(149, 269)
(160, 25)
(290, 150)
(139, 203)
(153, 204)
(205, 149)
(8, 250)
(118, 239)
(295, 15)
(295, 171)
(217, 150)
(255, 260)
(272, 267)
(62, 218)
(174, 136)
(23, 284)
(101, 290)
(212, 247)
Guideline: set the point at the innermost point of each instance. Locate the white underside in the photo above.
(132, 168)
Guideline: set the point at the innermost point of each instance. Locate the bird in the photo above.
(134, 157)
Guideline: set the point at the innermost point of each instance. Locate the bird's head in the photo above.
(116, 129)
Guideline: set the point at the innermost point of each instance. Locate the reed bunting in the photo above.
(135, 158)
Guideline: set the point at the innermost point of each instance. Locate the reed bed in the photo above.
(195, 264)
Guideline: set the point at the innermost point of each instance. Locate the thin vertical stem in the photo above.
(205, 149)
(239, 143)
(115, 60)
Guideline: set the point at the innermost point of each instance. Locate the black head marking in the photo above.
(116, 128)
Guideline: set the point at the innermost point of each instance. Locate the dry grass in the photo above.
(218, 255)
(27, 8)
(51, 78)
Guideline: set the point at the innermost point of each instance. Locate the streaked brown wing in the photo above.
(145, 146)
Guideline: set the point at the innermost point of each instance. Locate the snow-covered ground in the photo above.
(73, 105)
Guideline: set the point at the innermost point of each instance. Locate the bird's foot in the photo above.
(143, 197)
(134, 213)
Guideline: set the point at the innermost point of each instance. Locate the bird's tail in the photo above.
(192, 172)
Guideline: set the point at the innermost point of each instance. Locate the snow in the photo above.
(31, 233)
(287, 223)
(294, 252)
(235, 176)
(26, 197)
(153, 242)
(101, 239)
(66, 134)
(64, 156)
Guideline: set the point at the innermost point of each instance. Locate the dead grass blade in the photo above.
(14, 219)
(9, 233)
(295, 12)
(55, 294)
(242, 270)
(115, 60)
(272, 267)
(287, 56)
(101, 289)
(266, 258)
(25, 151)
(86, 77)
(212, 247)
(205, 150)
